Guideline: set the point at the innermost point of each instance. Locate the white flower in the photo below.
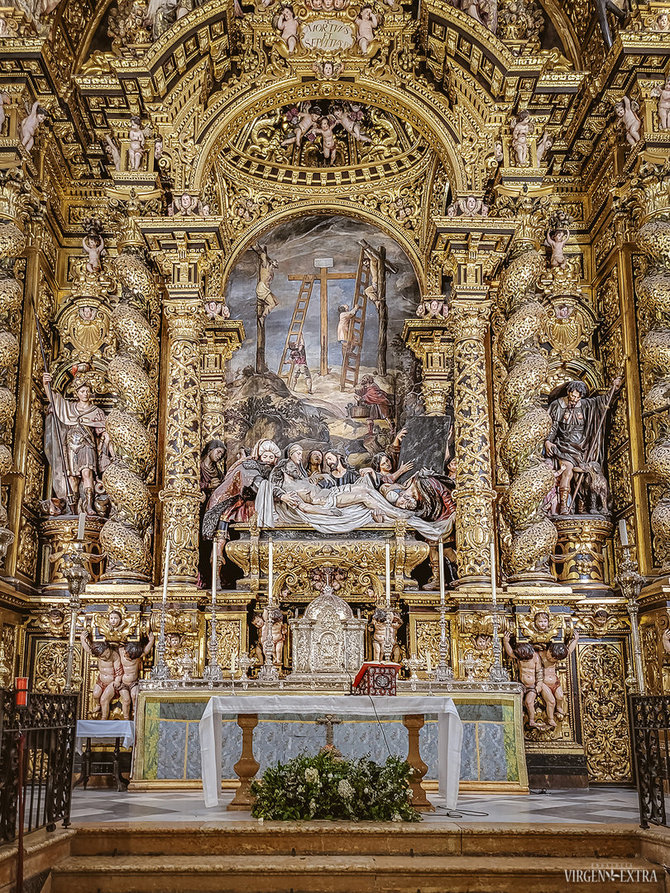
(344, 789)
(311, 775)
(366, 790)
(396, 817)
(312, 807)
(260, 821)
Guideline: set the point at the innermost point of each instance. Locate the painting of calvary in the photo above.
(323, 301)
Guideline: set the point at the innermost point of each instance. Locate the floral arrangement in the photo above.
(328, 787)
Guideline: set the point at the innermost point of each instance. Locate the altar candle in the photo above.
(215, 559)
(493, 573)
(429, 663)
(440, 549)
(623, 532)
(388, 575)
(166, 568)
(270, 574)
(233, 663)
(81, 526)
(21, 691)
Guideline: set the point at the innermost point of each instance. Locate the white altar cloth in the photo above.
(107, 729)
(450, 729)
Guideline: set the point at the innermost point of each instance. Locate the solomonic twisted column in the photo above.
(653, 237)
(133, 374)
(530, 479)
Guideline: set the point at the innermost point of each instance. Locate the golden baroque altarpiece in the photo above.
(519, 161)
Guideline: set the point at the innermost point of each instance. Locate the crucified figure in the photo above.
(377, 266)
(265, 301)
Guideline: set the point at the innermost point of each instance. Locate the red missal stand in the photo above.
(376, 678)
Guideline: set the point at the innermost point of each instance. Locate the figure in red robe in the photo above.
(371, 395)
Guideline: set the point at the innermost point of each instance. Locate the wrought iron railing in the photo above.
(36, 762)
(650, 720)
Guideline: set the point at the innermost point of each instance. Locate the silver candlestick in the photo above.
(443, 672)
(268, 672)
(213, 672)
(388, 634)
(161, 671)
(246, 663)
(497, 673)
(630, 581)
(77, 577)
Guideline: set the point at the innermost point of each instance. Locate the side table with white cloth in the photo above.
(117, 732)
(248, 707)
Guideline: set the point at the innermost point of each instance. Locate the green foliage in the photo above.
(328, 787)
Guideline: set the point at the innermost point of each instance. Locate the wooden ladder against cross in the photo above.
(353, 349)
(297, 323)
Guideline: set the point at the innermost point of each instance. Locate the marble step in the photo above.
(326, 838)
(352, 874)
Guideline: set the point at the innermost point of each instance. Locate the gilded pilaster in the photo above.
(181, 494)
(24, 385)
(473, 494)
(14, 195)
(652, 189)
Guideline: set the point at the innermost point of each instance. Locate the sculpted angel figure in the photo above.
(557, 238)
(4, 99)
(94, 247)
(303, 119)
(530, 674)
(109, 673)
(379, 627)
(328, 143)
(137, 140)
(278, 631)
(626, 111)
(662, 93)
(160, 15)
(350, 118)
(366, 23)
(522, 127)
(131, 655)
(287, 24)
(30, 125)
(112, 152)
(550, 688)
(544, 145)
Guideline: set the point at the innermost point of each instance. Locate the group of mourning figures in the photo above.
(317, 486)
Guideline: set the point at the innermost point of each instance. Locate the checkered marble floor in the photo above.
(605, 804)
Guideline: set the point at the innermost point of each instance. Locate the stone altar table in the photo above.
(450, 730)
(167, 749)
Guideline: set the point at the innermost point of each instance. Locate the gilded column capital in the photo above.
(431, 342)
(471, 319)
(185, 318)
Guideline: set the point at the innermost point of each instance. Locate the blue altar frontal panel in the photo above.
(169, 743)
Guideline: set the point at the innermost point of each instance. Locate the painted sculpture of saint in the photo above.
(79, 426)
(234, 499)
(575, 446)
